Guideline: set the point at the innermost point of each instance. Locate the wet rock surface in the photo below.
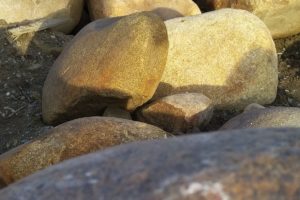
(241, 164)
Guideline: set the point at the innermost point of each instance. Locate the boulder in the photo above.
(239, 165)
(109, 62)
(71, 139)
(167, 9)
(60, 15)
(281, 17)
(265, 118)
(179, 113)
(228, 55)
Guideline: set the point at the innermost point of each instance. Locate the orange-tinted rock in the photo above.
(72, 139)
(109, 62)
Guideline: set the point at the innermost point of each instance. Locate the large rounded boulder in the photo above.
(114, 61)
(239, 165)
(228, 55)
(281, 16)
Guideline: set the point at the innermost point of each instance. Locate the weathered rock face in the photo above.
(109, 62)
(281, 17)
(179, 113)
(167, 9)
(72, 139)
(61, 15)
(242, 164)
(265, 118)
(216, 54)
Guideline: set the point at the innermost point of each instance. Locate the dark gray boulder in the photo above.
(239, 165)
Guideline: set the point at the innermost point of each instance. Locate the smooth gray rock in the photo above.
(273, 117)
(241, 164)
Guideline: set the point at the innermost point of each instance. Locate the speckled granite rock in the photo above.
(281, 16)
(167, 9)
(275, 117)
(71, 139)
(107, 63)
(241, 165)
(216, 54)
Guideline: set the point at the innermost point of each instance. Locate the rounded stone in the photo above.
(71, 139)
(273, 117)
(109, 62)
(178, 113)
(227, 55)
(240, 164)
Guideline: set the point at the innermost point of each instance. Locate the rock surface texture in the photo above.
(71, 139)
(265, 118)
(281, 16)
(167, 9)
(239, 165)
(60, 15)
(109, 62)
(216, 54)
(179, 113)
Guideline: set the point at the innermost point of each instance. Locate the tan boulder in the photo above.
(228, 55)
(110, 62)
(61, 15)
(179, 113)
(273, 117)
(281, 16)
(167, 9)
(71, 139)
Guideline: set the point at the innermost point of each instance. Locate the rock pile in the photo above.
(145, 70)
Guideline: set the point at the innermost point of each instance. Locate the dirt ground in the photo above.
(24, 64)
(25, 61)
